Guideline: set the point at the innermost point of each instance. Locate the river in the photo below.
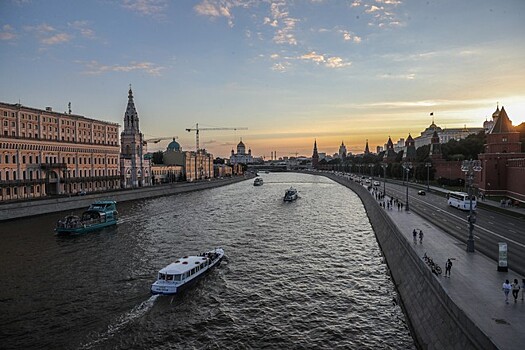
(304, 274)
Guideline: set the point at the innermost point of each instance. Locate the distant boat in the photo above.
(185, 270)
(258, 181)
(290, 194)
(99, 214)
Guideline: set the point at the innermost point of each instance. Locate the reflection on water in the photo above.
(303, 274)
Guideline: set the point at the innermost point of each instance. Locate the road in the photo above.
(491, 227)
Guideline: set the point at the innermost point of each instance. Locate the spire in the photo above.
(502, 124)
(131, 117)
(315, 156)
(367, 150)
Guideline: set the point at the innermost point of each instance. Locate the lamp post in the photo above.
(428, 165)
(383, 165)
(469, 167)
(407, 166)
(371, 166)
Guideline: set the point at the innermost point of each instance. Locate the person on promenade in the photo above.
(414, 234)
(522, 288)
(420, 237)
(506, 289)
(448, 267)
(515, 289)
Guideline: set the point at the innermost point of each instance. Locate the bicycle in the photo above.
(435, 268)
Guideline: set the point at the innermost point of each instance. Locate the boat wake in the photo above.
(121, 322)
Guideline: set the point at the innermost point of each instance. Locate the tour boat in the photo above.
(185, 270)
(258, 181)
(99, 214)
(290, 195)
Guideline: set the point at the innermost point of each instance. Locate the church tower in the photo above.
(134, 169)
(315, 156)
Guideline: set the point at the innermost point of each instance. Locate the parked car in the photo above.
(421, 192)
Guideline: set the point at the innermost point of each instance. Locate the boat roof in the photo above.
(183, 264)
(104, 202)
(187, 263)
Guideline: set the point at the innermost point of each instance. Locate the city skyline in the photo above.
(290, 72)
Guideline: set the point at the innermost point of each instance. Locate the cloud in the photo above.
(96, 68)
(83, 28)
(56, 39)
(214, 8)
(330, 62)
(280, 19)
(348, 36)
(7, 33)
(48, 35)
(410, 76)
(281, 67)
(156, 8)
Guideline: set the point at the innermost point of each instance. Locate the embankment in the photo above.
(435, 320)
(20, 209)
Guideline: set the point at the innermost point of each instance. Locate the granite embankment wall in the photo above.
(435, 321)
(20, 209)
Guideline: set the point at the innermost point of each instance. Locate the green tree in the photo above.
(158, 157)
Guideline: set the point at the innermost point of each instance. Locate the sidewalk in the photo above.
(475, 285)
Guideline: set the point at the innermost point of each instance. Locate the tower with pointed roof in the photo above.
(502, 162)
(367, 150)
(342, 150)
(410, 149)
(315, 156)
(390, 154)
(134, 169)
(435, 146)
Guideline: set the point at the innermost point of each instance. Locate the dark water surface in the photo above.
(306, 274)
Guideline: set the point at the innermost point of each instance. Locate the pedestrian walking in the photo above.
(522, 288)
(515, 289)
(506, 289)
(420, 237)
(414, 234)
(448, 267)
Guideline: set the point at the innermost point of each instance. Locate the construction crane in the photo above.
(196, 129)
(158, 139)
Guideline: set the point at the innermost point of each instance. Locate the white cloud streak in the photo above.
(154, 8)
(96, 68)
(7, 33)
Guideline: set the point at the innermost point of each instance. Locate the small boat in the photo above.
(99, 214)
(258, 181)
(185, 270)
(290, 195)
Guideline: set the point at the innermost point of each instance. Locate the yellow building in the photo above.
(167, 173)
(196, 165)
(43, 153)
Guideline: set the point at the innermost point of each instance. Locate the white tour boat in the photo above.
(290, 195)
(185, 270)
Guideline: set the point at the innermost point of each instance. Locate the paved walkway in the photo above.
(475, 285)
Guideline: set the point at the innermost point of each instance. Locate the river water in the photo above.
(305, 274)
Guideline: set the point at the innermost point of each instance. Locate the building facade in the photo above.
(134, 168)
(241, 157)
(45, 153)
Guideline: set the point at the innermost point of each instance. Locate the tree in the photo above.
(158, 157)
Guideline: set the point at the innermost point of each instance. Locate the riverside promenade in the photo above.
(467, 310)
(475, 285)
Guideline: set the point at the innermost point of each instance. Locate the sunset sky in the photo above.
(289, 71)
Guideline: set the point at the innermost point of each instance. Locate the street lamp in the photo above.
(428, 165)
(407, 166)
(469, 167)
(371, 166)
(384, 165)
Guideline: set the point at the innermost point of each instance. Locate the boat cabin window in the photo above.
(162, 276)
(177, 277)
(169, 277)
